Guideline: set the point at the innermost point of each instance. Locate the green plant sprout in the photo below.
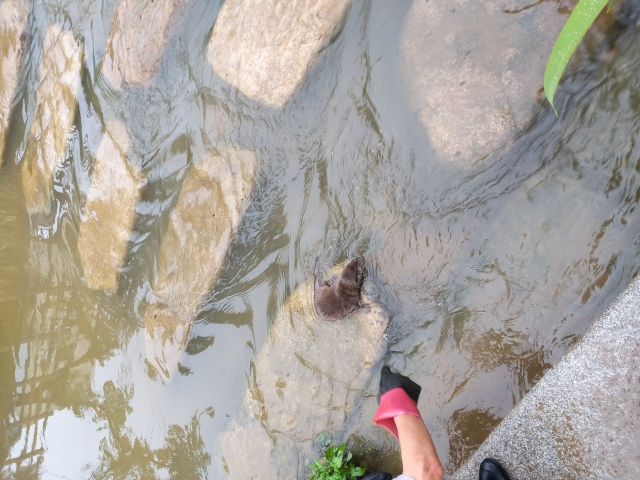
(335, 466)
(577, 25)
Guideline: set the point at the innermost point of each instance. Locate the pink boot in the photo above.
(398, 395)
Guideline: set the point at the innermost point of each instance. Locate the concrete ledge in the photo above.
(582, 420)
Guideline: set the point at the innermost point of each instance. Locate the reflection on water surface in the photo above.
(489, 271)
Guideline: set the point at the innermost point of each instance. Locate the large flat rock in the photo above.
(56, 100)
(474, 70)
(201, 229)
(13, 36)
(265, 47)
(582, 420)
(109, 213)
(308, 378)
(140, 34)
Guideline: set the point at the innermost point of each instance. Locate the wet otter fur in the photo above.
(339, 296)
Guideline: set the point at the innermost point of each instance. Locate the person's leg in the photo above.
(398, 413)
(419, 457)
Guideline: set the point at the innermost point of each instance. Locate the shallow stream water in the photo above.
(489, 270)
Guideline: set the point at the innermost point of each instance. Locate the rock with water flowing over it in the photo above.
(265, 48)
(13, 35)
(56, 100)
(308, 378)
(141, 32)
(202, 226)
(474, 71)
(110, 210)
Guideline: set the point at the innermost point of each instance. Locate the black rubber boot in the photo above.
(390, 380)
(492, 470)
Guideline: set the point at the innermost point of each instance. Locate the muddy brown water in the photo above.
(489, 271)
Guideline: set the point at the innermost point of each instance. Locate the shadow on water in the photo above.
(490, 271)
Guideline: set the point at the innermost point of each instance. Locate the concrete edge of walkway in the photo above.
(582, 419)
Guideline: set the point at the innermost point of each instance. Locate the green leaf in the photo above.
(577, 25)
(337, 466)
(329, 454)
(358, 471)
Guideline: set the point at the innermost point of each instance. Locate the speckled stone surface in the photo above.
(582, 420)
(265, 48)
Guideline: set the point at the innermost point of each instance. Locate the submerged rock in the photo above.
(266, 47)
(109, 212)
(308, 378)
(13, 35)
(201, 228)
(474, 70)
(56, 102)
(141, 32)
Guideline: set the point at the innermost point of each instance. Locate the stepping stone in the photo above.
(110, 210)
(265, 48)
(308, 378)
(140, 35)
(474, 71)
(201, 229)
(56, 100)
(13, 36)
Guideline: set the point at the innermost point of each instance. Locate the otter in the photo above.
(339, 296)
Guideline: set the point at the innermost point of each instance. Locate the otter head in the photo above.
(354, 271)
